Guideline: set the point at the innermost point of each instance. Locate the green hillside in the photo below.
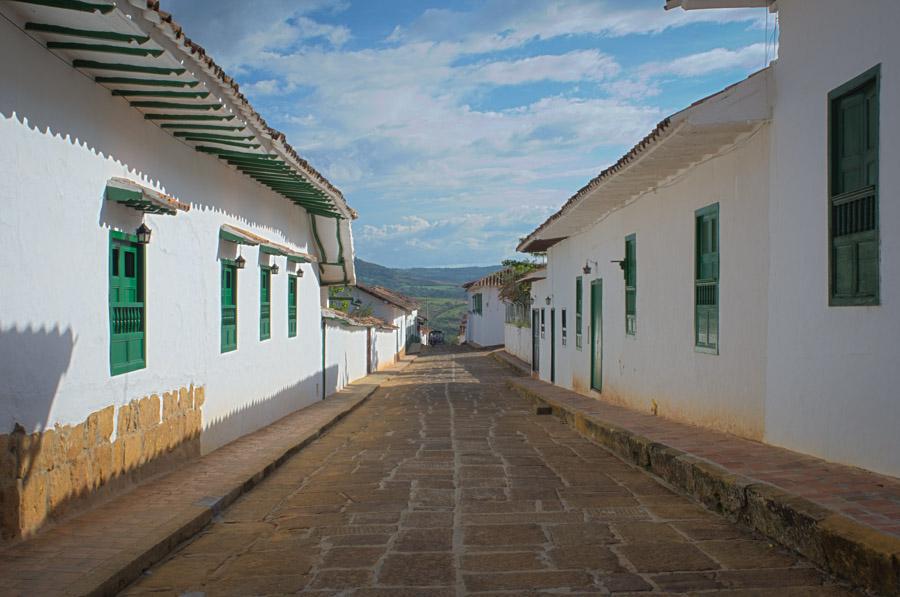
(438, 289)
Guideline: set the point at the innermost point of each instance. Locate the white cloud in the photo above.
(584, 65)
(703, 63)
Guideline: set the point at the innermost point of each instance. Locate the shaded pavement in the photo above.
(447, 483)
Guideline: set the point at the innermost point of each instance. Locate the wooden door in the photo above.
(597, 335)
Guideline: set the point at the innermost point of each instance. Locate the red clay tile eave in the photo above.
(200, 52)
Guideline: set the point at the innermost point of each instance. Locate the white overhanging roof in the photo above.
(705, 129)
(140, 54)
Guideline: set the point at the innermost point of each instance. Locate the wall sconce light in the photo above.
(240, 262)
(143, 234)
(274, 269)
(547, 300)
(621, 263)
(299, 271)
(587, 266)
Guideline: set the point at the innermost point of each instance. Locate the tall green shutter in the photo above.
(853, 213)
(706, 281)
(292, 306)
(126, 304)
(578, 310)
(228, 332)
(265, 303)
(630, 285)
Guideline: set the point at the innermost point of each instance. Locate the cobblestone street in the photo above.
(447, 483)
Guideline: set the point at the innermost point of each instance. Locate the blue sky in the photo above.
(455, 128)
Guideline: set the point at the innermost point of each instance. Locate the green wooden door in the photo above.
(265, 303)
(229, 307)
(597, 335)
(535, 340)
(552, 345)
(292, 306)
(126, 306)
(706, 284)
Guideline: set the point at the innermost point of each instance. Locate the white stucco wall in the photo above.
(832, 371)
(389, 313)
(345, 355)
(724, 391)
(517, 341)
(486, 329)
(384, 348)
(63, 137)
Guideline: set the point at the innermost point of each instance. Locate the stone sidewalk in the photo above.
(101, 550)
(843, 518)
(446, 483)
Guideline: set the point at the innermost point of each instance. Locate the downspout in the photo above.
(324, 373)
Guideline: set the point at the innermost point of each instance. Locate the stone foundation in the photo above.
(46, 474)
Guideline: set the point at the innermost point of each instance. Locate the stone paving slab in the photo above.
(843, 518)
(100, 551)
(393, 502)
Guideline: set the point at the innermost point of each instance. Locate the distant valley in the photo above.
(437, 288)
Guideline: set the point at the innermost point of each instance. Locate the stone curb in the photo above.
(846, 548)
(504, 358)
(114, 576)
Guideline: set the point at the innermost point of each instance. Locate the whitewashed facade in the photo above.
(487, 311)
(66, 142)
(786, 360)
(398, 311)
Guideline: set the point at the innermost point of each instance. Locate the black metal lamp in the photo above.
(547, 300)
(143, 234)
(274, 269)
(587, 267)
(621, 263)
(240, 262)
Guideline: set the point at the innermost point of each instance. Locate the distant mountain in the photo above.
(439, 282)
(438, 289)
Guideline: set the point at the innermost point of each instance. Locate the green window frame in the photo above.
(228, 332)
(292, 306)
(631, 284)
(706, 279)
(563, 325)
(579, 302)
(127, 309)
(477, 303)
(265, 303)
(853, 191)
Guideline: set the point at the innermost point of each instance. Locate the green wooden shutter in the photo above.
(228, 332)
(265, 306)
(292, 306)
(630, 284)
(854, 192)
(578, 311)
(126, 304)
(706, 283)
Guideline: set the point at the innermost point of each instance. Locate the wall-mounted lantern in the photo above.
(143, 234)
(240, 262)
(621, 263)
(547, 300)
(274, 269)
(587, 266)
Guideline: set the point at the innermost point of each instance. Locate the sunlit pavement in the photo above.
(447, 483)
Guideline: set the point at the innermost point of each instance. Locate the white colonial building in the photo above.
(397, 311)
(738, 268)
(163, 254)
(487, 311)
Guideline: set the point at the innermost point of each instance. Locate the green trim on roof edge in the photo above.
(90, 34)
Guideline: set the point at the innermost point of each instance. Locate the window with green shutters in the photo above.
(706, 280)
(127, 322)
(853, 204)
(228, 333)
(630, 285)
(265, 303)
(476, 303)
(292, 306)
(578, 310)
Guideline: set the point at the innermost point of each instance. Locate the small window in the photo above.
(578, 310)
(542, 322)
(265, 303)
(706, 280)
(853, 201)
(228, 332)
(562, 320)
(477, 303)
(292, 306)
(126, 304)
(630, 285)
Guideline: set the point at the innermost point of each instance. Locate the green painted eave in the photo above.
(87, 33)
(124, 50)
(73, 5)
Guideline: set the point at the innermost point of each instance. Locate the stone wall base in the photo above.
(50, 473)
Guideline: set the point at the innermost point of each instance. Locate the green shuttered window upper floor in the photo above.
(853, 201)
(292, 306)
(127, 313)
(706, 280)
